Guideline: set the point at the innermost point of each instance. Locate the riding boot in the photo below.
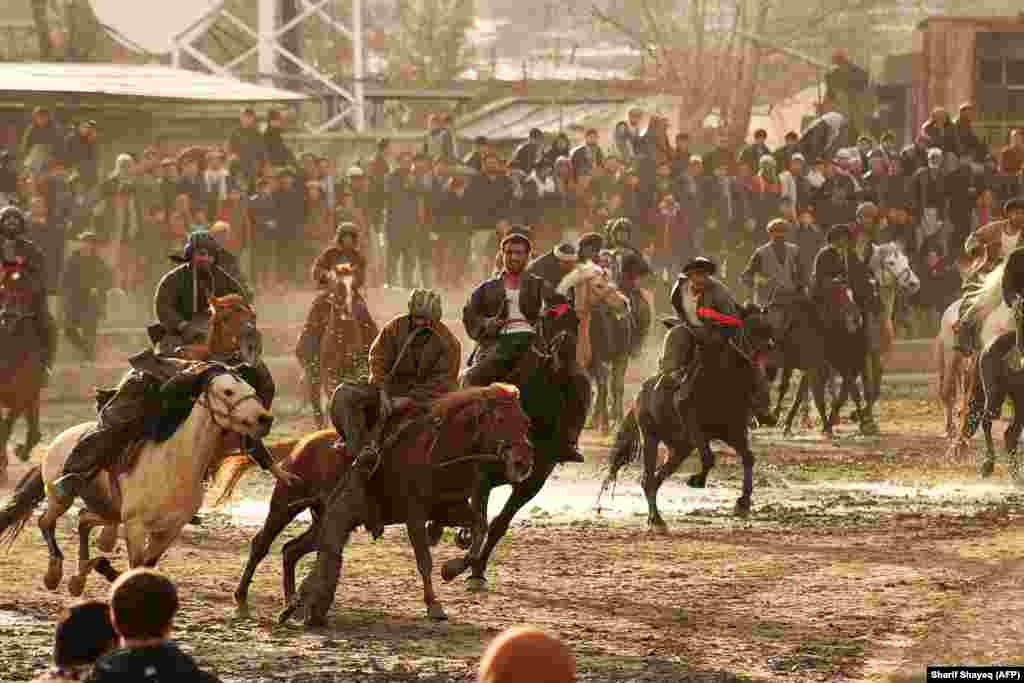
(258, 452)
(48, 333)
(965, 338)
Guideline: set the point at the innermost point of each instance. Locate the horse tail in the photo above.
(626, 449)
(237, 464)
(29, 493)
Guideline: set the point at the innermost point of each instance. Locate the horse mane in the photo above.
(989, 294)
(177, 398)
(236, 464)
(450, 403)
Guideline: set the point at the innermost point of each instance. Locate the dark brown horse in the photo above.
(428, 473)
(21, 367)
(345, 344)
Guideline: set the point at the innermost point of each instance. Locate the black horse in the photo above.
(542, 378)
(612, 338)
(818, 342)
(722, 403)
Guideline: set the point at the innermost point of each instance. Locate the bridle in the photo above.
(501, 446)
(230, 406)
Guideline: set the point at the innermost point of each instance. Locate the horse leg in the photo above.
(651, 483)
(48, 528)
(159, 542)
(522, 493)
(476, 520)
(987, 463)
(33, 434)
(278, 517)
(787, 376)
(6, 422)
(798, 401)
(743, 503)
(292, 553)
(1012, 440)
(416, 526)
(107, 540)
(600, 374)
(838, 403)
(618, 388)
(680, 452)
(87, 521)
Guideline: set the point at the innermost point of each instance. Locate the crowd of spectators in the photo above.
(427, 217)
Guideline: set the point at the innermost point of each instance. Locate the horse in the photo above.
(157, 486)
(345, 344)
(549, 365)
(815, 343)
(893, 273)
(605, 338)
(21, 367)
(428, 471)
(950, 367)
(720, 407)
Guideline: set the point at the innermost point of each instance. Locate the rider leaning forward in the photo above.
(123, 419)
(502, 316)
(414, 360)
(22, 258)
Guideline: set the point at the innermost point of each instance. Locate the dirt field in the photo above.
(863, 558)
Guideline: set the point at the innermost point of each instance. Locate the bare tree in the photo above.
(431, 44)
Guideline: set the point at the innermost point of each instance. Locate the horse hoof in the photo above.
(437, 613)
(743, 507)
(452, 568)
(315, 621)
(54, 574)
(986, 469)
(105, 569)
(287, 613)
(242, 611)
(23, 452)
(657, 528)
(697, 482)
(76, 586)
(476, 584)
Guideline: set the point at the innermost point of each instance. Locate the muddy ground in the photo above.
(864, 558)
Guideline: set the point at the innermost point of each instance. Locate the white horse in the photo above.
(157, 488)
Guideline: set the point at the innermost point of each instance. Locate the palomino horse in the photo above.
(158, 485)
(21, 366)
(429, 470)
(604, 340)
(345, 344)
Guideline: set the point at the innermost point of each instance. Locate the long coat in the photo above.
(177, 300)
(429, 368)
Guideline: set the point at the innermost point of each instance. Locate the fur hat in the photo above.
(425, 303)
(701, 264)
(565, 252)
(518, 233)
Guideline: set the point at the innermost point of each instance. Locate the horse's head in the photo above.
(233, 327)
(342, 278)
(895, 263)
(558, 327)
(494, 419)
(234, 404)
(17, 296)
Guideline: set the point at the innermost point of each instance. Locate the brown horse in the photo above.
(232, 332)
(428, 472)
(348, 331)
(21, 367)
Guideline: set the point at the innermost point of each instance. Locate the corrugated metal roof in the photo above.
(514, 122)
(130, 80)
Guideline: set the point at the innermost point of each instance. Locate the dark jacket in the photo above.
(548, 268)
(277, 152)
(489, 301)
(82, 156)
(829, 264)
(527, 156)
(175, 301)
(163, 662)
(248, 144)
(82, 274)
(403, 225)
(716, 297)
(428, 369)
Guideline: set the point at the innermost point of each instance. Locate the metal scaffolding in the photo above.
(269, 35)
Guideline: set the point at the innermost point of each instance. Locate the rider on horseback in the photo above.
(629, 267)
(414, 360)
(123, 419)
(502, 316)
(345, 250)
(988, 245)
(24, 259)
(707, 316)
(830, 263)
(774, 268)
(182, 294)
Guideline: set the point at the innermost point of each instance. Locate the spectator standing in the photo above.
(81, 153)
(119, 221)
(439, 143)
(402, 226)
(627, 136)
(42, 142)
(756, 150)
(327, 176)
(481, 148)
(191, 181)
(588, 155)
(931, 201)
(785, 153)
(278, 153)
(291, 207)
(215, 181)
(529, 154)
(246, 149)
(86, 281)
(1011, 159)
(48, 234)
(265, 217)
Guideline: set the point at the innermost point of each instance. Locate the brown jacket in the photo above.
(428, 370)
(987, 241)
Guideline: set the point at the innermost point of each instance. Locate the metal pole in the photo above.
(266, 25)
(358, 65)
